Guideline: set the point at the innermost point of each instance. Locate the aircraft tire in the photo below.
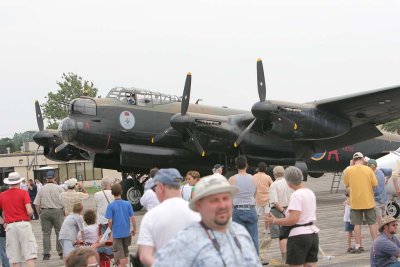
(315, 174)
(132, 190)
(393, 209)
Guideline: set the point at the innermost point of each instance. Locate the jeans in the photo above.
(3, 254)
(248, 218)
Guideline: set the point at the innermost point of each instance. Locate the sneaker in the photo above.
(357, 251)
(349, 250)
(46, 257)
(61, 255)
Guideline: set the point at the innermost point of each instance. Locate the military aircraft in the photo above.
(166, 131)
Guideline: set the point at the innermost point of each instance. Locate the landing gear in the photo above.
(132, 190)
(393, 209)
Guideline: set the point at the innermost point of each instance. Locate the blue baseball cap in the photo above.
(168, 176)
(149, 184)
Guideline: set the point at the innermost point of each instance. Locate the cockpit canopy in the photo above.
(84, 106)
(142, 97)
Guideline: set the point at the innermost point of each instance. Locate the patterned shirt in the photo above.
(49, 197)
(199, 250)
(70, 198)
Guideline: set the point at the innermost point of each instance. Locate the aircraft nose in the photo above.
(67, 129)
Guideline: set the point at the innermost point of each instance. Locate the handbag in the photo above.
(284, 231)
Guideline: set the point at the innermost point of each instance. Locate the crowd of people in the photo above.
(212, 220)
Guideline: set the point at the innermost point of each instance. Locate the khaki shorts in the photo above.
(356, 216)
(21, 243)
(262, 210)
(120, 247)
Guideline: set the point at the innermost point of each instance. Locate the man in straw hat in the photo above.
(386, 248)
(17, 210)
(216, 240)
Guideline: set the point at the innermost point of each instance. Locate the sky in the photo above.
(311, 50)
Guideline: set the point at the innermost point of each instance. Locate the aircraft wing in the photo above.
(371, 107)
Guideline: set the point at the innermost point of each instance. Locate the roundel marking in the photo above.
(318, 156)
(127, 120)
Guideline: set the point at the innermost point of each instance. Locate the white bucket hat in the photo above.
(211, 185)
(13, 178)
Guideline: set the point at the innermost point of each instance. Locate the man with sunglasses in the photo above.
(216, 240)
(386, 248)
(161, 223)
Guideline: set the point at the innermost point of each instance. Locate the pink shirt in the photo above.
(304, 200)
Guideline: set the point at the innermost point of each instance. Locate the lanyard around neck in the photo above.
(214, 241)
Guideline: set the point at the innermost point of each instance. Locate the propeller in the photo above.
(160, 136)
(60, 147)
(181, 121)
(264, 109)
(39, 117)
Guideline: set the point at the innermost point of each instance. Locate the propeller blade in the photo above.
(261, 80)
(243, 134)
(196, 143)
(186, 94)
(60, 147)
(33, 159)
(158, 137)
(39, 117)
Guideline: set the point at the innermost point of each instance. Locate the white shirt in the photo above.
(101, 205)
(186, 191)
(161, 223)
(303, 200)
(149, 199)
(280, 192)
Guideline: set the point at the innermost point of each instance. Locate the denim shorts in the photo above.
(67, 246)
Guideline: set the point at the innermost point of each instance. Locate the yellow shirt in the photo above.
(360, 179)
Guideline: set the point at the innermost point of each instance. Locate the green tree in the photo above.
(71, 87)
(6, 142)
(392, 126)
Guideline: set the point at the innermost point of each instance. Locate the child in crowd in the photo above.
(91, 230)
(72, 224)
(120, 216)
(348, 227)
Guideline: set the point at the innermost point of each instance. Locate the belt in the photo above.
(244, 206)
(276, 208)
(17, 221)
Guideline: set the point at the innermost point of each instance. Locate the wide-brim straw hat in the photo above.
(211, 185)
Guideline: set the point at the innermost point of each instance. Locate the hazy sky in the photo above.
(311, 49)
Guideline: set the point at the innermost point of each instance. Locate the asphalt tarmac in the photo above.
(333, 239)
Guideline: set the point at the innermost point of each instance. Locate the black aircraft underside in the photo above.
(166, 131)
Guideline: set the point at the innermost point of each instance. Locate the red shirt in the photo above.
(13, 202)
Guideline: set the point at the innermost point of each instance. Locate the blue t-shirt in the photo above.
(384, 251)
(120, 211)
